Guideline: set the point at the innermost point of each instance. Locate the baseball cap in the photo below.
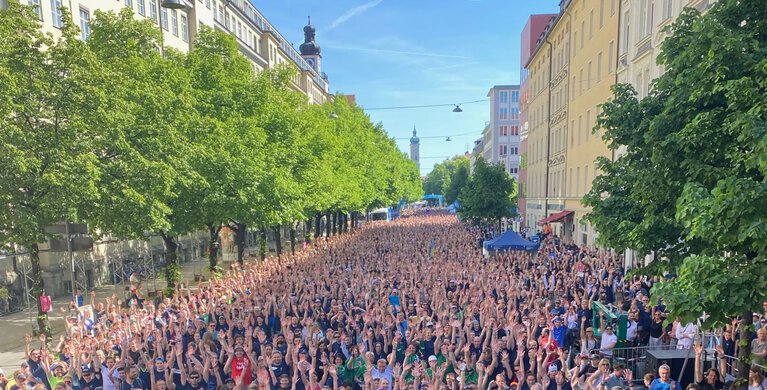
(55, 366)
(595, 356)
(22, 376)
(553, 368)
(86, 370)
(432, 358)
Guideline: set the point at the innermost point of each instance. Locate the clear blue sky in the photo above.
(415, 52)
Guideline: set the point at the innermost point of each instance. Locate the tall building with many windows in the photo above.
(533, 29)
(180, 21)
(502, 131)
(592, 65)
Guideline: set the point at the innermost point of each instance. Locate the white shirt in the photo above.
(608, 343)
(684, 335)
(631, 330)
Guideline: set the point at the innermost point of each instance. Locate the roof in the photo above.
(510, 241)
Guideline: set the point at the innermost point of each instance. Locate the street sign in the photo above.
(74, 228)
(79, 244)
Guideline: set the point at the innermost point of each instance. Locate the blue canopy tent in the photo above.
(510, 241)
(437, 200)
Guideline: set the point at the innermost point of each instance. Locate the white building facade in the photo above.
(501, 134)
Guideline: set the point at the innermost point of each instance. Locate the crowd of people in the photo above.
(407, 304)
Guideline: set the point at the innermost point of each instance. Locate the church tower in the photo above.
(310, 50)
(414, 150)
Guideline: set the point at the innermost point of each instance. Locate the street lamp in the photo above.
(457, 108)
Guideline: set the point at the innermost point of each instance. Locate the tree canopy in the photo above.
(448, 178)
(489, 195)
(691, 184)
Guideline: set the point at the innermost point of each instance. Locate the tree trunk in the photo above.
(262, 243)
(172, 268)
(241, 238)
(307, 230)
(346, 223)
(278, 240)
(213, 231)
(293, 239)
(39, 286)
(317, 225)
(327, 224)
(744, 349)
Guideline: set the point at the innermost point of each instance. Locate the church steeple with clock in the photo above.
(310, 50)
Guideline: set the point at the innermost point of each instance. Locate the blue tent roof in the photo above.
(510, 241)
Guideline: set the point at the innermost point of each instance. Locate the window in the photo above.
(37, 8)
(648, 22)
(514, 150)
(612, 7)
(514, 113)
(504, 113)
(85, 24)
(591, 24)
(226, 20)
(207, 4)
(141, 7)
(56, 13)
(583, 31)
(504, 131)
(129, 3)
(570, 186)
(184, 29)
(610, 49)
(575, 46)
(668, 6)
(599, 67)
(588, 124)
(580, 82)
(503, 149)
(625, 43)
(164, 19)
(585, 178)
(153, 10)
(174, 22)
(515, 96)
(514, 170)
(642, 19)
(504, 96)
(588, 76)
(514, 130)
(601, 13)
(580, 128)
(577, 181)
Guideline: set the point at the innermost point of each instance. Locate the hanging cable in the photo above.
(425, 105)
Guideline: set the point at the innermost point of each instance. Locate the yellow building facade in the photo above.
(592, 74)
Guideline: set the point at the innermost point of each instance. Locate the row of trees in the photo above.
(691, 187)
(134, 140)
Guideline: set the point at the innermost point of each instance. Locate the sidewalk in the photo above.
(14, 327)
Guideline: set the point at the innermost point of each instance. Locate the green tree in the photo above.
(437, 181)
(691, 185)
(459, 168)
(48, 169)
(143, 108)
(489, 196)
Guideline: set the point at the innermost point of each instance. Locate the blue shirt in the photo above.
(658, 385)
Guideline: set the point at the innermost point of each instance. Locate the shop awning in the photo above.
(556, 217)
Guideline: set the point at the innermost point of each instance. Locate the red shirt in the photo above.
(241, 366)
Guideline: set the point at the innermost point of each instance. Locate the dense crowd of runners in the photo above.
(407, 304)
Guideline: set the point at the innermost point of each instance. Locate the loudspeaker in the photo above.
(675, 358)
